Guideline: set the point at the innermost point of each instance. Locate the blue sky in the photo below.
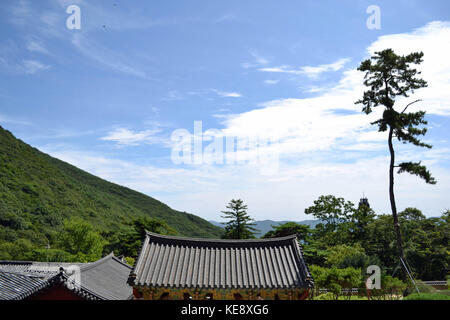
(108, 97)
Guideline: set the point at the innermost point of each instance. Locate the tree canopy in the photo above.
(239, 225)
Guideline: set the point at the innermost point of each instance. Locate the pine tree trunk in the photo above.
(392, 200)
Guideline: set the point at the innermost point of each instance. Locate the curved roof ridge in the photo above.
(120, 261)
(16, 262)
(81, 291)
(208, 240)
(91, 265)
(23, 273)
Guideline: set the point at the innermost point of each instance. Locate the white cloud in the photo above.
(271, 81)
(32, 66)
(11, 62)
(20, 12)
(205, 190)
(309, 71)
(434, 40)
(125, 137)
(225, 94)
(226, 17)
(314, 72)
(323, 151)
(280, 69)
(8, 120)
(35, 46)
(258, 61)
(314, 89)
(304, 125)
(173, 95)
(105, 56)
(22, 67)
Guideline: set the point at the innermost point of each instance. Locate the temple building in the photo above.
(177, 268)
(105, 279)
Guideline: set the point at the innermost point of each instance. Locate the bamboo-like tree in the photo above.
(388, 76)
(239, 225)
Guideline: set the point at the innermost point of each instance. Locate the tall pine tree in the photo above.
(388, 76)
(239, 225)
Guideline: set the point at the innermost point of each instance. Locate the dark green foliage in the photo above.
(239, 225)
(79, 239)
(336, 213)
(344, 256)
(389, 76)
(392, 288)
(427, 247)
(412, 214)
(53, 255)
(303, 232)
(128, 240)
(416, 169)
(356, 237)
(38, 192)
(331, 210)
(335, 279)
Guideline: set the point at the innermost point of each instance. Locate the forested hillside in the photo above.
(38, 193)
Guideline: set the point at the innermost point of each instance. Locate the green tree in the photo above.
(80, 239)
(129, 240)
(239, 225)
(380, 241)
(360, 219)
(303, 232)
(427, 247)
(21, 249)
(335, 215)
(388, 76)
(392, 287)
(334, 279)
(337, 254)
(331, 210)
(412, 214)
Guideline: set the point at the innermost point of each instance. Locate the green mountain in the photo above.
(38, 192)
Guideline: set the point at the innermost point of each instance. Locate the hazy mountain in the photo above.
(266, 225)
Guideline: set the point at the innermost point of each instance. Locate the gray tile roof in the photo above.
(19, 286)
(16, 286)
(167, 261)
(105, 279)
(44, 270)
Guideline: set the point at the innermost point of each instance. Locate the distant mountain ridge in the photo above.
(266, 225)
(37, 192)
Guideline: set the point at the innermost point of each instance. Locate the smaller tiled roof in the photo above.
(16, 286)
(19, 286)
(44, 270)
(107, 277)
(104, 279)
(168, 261)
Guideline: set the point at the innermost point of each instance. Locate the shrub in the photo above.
(334, 279)
(325, 296)
(427, 296)
(444, 292)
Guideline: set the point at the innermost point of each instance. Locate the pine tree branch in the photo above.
(416, 169)
(410, 104)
